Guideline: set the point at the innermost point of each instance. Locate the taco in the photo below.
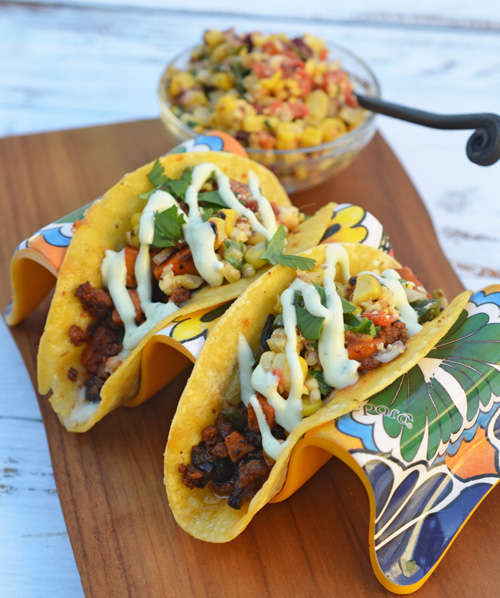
(296, 350)
(187, 232)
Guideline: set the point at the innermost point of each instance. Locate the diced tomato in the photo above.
(323, 53)
(380, 318)
(275, 208)
(277, 373)
(291, 66)
(299, 109)
(266, 140)
(305, 82)
(351, 100)
(271, 48)
(274, 108)
(407, 274)
(262, 69)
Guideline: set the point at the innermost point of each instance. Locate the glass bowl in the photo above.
(301, 168)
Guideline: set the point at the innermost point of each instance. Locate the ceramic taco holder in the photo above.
(426, 448)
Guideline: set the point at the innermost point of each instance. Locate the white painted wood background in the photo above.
(77, 63)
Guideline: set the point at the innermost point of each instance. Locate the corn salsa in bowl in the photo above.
(289, 101)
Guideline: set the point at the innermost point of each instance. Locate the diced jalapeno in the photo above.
(233, 252)
(267, 332)
(235, 417)
(278, 321)
(427, 309)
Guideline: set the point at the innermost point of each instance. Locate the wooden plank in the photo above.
(110, 480)
(80, 63)
(447, 13)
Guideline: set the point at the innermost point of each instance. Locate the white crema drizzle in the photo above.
(338, 369)
(114, 274)
(198, 234)
(390, 279)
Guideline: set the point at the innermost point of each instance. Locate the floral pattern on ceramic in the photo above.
(426, 448)
(354, 224)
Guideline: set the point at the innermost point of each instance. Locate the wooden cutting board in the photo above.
(110, 480)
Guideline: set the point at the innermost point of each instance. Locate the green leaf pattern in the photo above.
(470, 355)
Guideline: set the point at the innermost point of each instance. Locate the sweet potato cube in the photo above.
(237, 446)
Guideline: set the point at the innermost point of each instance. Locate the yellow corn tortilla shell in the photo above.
(104, 227)
(215, 376)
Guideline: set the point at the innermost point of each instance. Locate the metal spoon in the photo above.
(483, 147)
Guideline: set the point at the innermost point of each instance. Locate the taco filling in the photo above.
(322, 336)
(202, 229)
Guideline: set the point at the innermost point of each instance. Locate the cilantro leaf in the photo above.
(275, 247)
(212, 199)
(157, 175)
(347, 306)
(158, 178)
(207, 214)
(177, 187)
(309, 325)
(296, 262)
(322, 294)
(324, 389)
(273, 253)
(240, 72)
(233, 253)
(168, 227)
(364, 326)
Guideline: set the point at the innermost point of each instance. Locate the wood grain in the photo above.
(125, 540)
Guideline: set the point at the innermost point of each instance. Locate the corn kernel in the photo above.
(253, 123)
(258, 39)
(367, 287)
(317, 102)
(301, 172)
(219, 53)
(352, 116)
(220, 231)
(287, 136)
(277, 341)
(230, 217)
(273, 83)
(247, 271)
(266, 360)
(222, 81)
(315, 43)
(308, 408)
(331, 128)
(253, 253)
(180, 82)
(188, 281)
(135, 219)
(230, 273)
(213, 37)
(311, 137)
(255, 238)
(281, 363)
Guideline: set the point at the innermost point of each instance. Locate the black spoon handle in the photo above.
(483, 147)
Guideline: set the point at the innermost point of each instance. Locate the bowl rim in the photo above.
(342, 140)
